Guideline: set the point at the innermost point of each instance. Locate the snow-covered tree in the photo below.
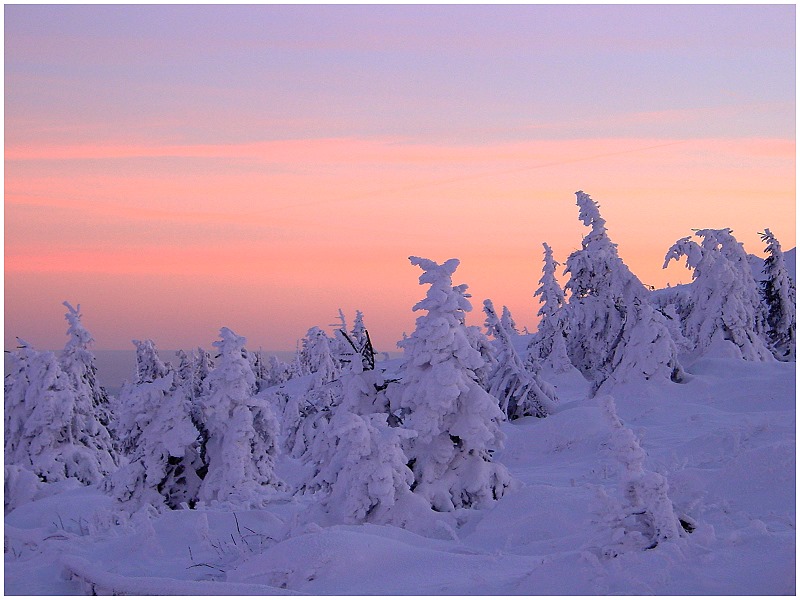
(549, 342)
(359, 464)
(203, 365)
(646, 516)
(316, 356)
(361, 340)
(456, 421)
(162, 444)
(722, 310)
(359, 331)
(278, 372)
(46, 431)
(521, 392)
(185, 371)
(242, 442)
(509, 324)
(606, 303)
(149, 366)
(91, 400)
(778, 291)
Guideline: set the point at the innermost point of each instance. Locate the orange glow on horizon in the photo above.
(334, 220)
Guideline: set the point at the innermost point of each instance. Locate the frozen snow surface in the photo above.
(722, 442)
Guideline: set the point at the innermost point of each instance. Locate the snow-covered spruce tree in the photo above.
(456, 421)
(185, 371)
(278, 372)
(778, 291)
(723, 311)
(45, 432)
(158, 434)
(359, 464)
(163, 460)
(203, 365)
(359, 331)
(508, 322)
(317, 358)
(242, 442)
(92, 406)
(149, 366)
(549, 342)
(361, 341)
(646, 516)
(520, 392)
(601, 313)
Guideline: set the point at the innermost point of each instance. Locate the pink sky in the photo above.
(261, 182)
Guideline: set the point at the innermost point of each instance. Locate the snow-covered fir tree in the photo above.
(722, 312)
(778, 291)
(158, 435)
(606, 303)
(508, 322)
(278, 372)
(242, 430)
(149, 365)
(47, 431)
(646, 516)
(203, 365)
(359, 331)
(520, 392)
(456, 421)
(359, 464)
(549, 343)
(317, 358)
(91, 400)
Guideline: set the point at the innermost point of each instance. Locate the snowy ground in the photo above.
(725, 440)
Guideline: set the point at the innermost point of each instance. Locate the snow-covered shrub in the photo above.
(607, 302)
(520, 392)
(456, 421)
(49, 428)
(779, 294)
(549, 342)
(20, 486)
(723, 309)
(242, 430)
(646, 516)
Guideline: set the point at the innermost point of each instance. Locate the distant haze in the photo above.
(176, 169)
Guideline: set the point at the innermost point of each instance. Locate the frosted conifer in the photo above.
(359, 464)
(46, 432)
(317, 358)
(456, 421)
(91, 401)
(163, 444)
(778, 291)
(242, 442)
(508, 322)
(607, 301)
(723, 302)
(549, 343)
(646, 517)
(149, 366)
(520, 392)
